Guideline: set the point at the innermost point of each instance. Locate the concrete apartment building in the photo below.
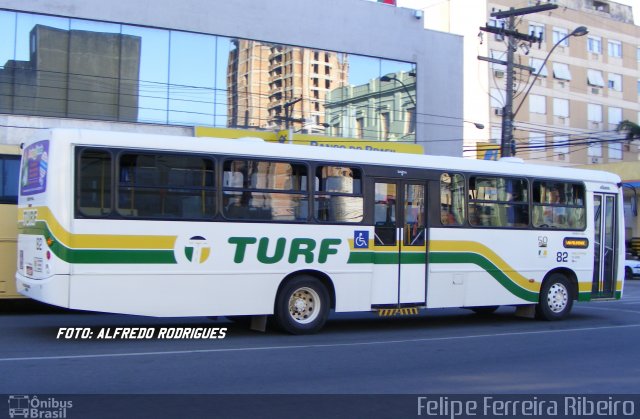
(264, 79)
(587, 86)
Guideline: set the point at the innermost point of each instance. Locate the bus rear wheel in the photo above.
(302, 306)
(556, 298)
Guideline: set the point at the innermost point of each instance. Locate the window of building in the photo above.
(498, 202)
(558, 34)
(537, 142)
(558, 205)
(614, 48)
(496, 98)
(165, 186)
(561, 71)
(338, 194)
(538, 67)
(594, 112)
(496, 133)
(561, 107)
(614, 116)
(595, 148)
(411, 121)
(385, 119)
(561, 144)
(537, 29)
(497, 24)
(594, 78)
(615, 151)
(537, 104)
(264, 190)
(615, 82)
(360, 127)
(497, 55)
(594, 44)
(452, 193)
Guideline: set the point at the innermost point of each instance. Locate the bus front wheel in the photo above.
(302, 306)
(556, 298)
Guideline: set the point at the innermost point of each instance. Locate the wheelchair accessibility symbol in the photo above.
(361, 239)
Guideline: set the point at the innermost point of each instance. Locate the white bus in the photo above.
(173, 226)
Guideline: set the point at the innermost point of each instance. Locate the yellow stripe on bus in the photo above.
(396, 248)
(99, 241)
(481, 249)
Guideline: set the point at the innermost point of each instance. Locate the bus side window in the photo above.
(93, 183)
(338, 196)
(452, 193)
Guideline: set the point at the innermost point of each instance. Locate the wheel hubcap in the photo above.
(304, 305)
(557, 298)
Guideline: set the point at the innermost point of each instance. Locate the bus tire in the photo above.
(302, 306)
(556, 298)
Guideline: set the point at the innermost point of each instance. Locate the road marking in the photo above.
(296, 347)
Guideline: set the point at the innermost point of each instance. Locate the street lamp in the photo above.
(390, 77)
(508, 148)
(476, 124)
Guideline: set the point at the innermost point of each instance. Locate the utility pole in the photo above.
(507, 145)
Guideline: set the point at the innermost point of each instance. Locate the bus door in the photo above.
(400, 242)
(604, 272)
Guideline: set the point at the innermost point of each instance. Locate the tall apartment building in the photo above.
(586, 87)
(265, 78)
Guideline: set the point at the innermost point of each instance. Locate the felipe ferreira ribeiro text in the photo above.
(489, 406)
(142, 333)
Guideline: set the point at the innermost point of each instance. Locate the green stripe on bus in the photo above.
(387, 258)
(108, 256)
(489, 267)
(584, 296)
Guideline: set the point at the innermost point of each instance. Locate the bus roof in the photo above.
(329, 154)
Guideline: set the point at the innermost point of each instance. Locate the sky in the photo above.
(424, 4)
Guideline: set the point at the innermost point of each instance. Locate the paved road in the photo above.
(443, 351)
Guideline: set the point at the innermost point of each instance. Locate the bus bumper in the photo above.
(53, 290)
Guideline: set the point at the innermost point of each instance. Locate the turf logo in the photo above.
(198, 250)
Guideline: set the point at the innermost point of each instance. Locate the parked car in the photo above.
(631, 269)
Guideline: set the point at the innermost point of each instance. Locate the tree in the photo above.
(632, 129)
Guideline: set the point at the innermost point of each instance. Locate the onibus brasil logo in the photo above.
(34, 407)
(198, 250)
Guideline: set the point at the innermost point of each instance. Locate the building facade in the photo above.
(177, 66)
(588, 85)
(568, 114)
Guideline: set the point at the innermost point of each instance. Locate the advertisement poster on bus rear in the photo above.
(34, 169)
